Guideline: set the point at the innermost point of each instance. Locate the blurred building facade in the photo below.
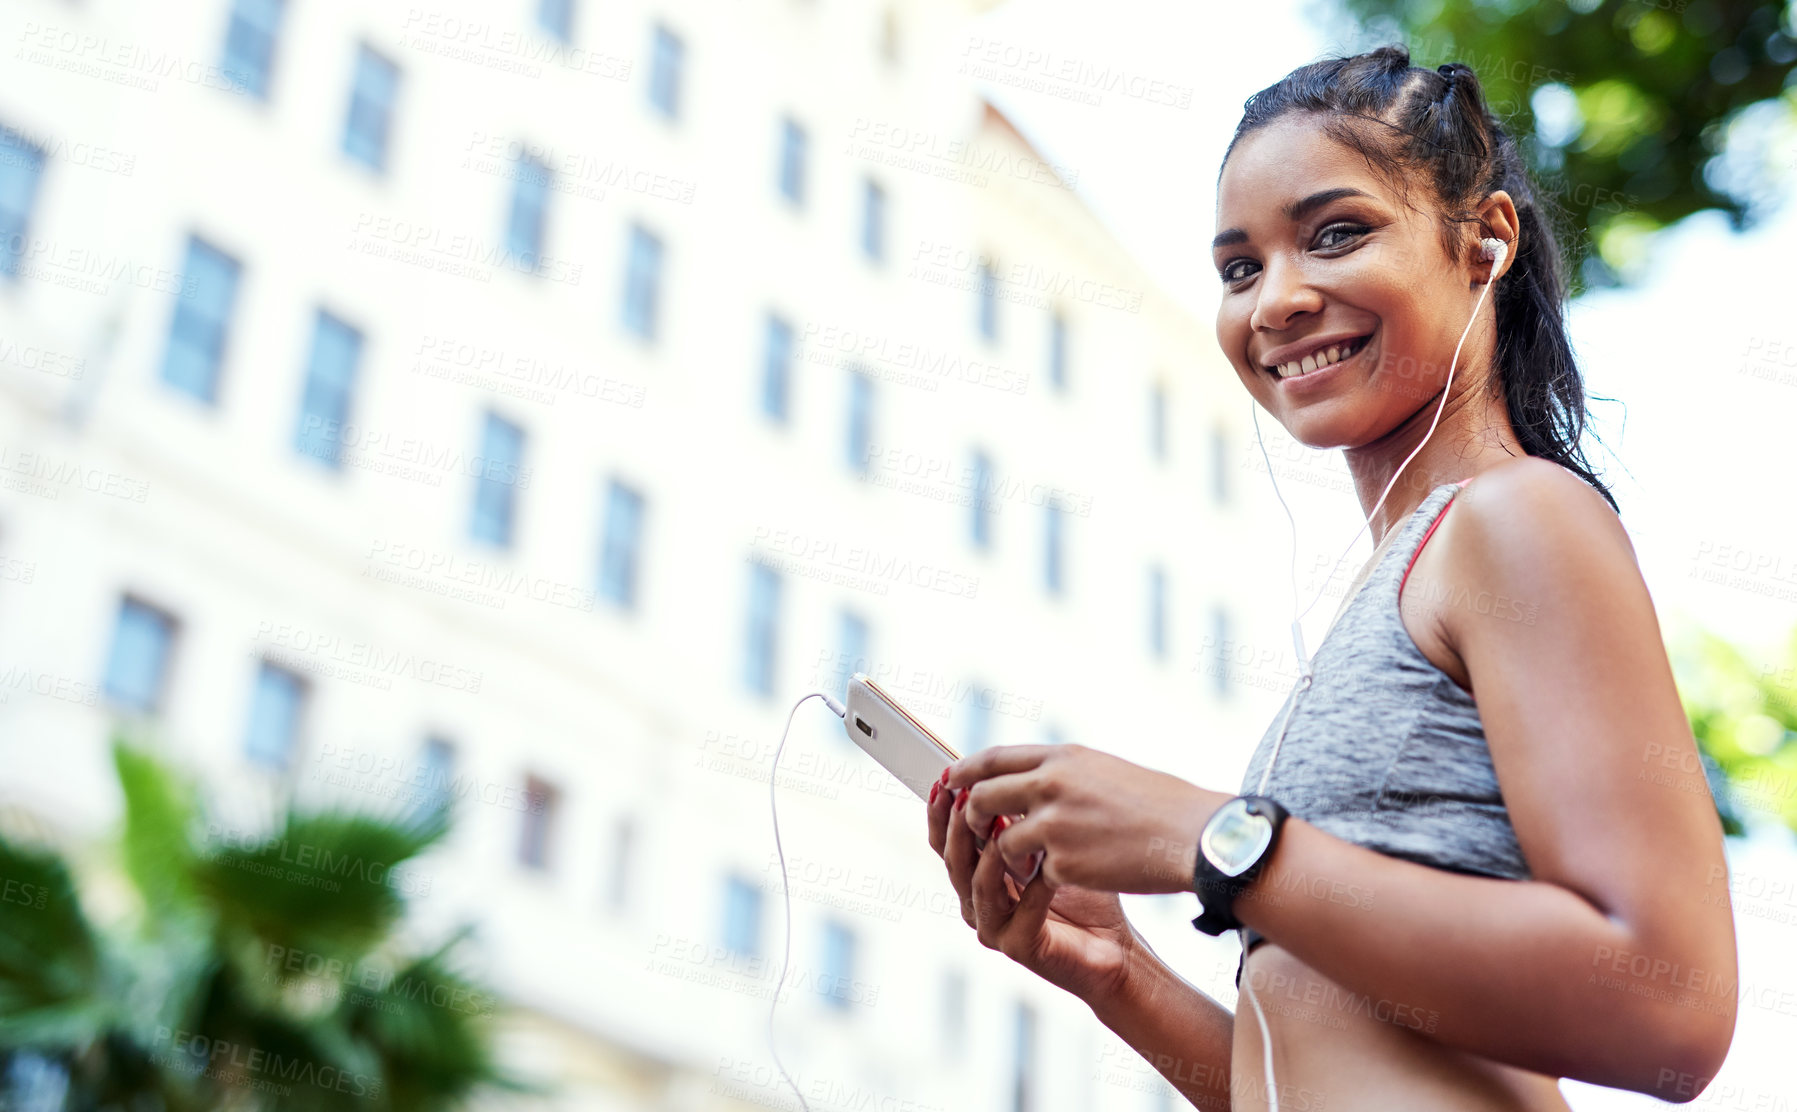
(523, 404)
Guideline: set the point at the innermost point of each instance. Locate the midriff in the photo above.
(1336, 1051)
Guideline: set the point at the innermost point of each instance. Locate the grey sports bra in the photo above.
(1385, 750)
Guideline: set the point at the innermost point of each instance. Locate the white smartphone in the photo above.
(905, 747)
(890, 735)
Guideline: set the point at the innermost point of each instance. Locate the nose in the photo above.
(1283, 294)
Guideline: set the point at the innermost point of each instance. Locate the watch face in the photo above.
(1235, 839)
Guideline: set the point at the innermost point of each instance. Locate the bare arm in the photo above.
(1184, 1034)
(1616, 963)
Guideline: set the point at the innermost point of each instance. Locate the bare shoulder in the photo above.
(1530, 519)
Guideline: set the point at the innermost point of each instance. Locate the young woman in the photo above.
(1489, 878)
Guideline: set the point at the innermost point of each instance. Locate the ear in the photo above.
(1498, 219)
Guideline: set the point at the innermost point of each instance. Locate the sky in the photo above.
(1700, 357)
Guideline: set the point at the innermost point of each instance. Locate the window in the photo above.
(138, 665)
(496, 482)
(776, 368)
(330, 378)
(541, 800)
(274, 715)
(1219, 466)
(436, 771)
(861, 421)
(742, 917)
(1023, 1059)
(530, 208)
(557, 18)
(250, 44)
(21, 168)
(851, 652)
(1219, 621)
(836, 981)
(196, 340)
(621, 556)
(623, 844)
(1053, 530)
(642, 283)
(666, 54)
(371, 109)
(873, 221)
(1157, 611)
(762, 644)
(982, 500)
(792, 160)
(979, 718)
(1157, 421)
(988, 304)
(1057, 352)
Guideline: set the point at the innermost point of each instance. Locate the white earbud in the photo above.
(1495, 250)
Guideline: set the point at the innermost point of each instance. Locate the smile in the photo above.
(1320, 359)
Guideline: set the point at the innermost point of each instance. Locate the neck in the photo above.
(1474, 434)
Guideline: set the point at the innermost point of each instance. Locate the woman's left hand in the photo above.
(1100, 821)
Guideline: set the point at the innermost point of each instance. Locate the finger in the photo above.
(997, 761)
(992, 902)
(1018, 842)
(960, 856)
(936, 813)
(1032, 907)
(1012, 794)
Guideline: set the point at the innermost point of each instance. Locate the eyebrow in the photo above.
(1297, 210)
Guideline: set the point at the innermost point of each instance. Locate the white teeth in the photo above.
(1315, 361)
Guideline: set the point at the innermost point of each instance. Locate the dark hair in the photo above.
(1437, 120)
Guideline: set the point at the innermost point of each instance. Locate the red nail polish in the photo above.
(960, 801)
(944, 779)
(934, 788)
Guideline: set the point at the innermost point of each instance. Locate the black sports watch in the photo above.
(1233, 846)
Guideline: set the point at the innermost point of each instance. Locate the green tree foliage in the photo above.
(257, 970)
(1744, 716)
(1623, 106)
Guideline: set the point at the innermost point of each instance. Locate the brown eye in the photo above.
(1327, 238)
(1231, 271)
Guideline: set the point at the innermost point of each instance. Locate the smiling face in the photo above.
(1340, 308)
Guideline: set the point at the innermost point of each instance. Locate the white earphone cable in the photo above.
(785, 882)
(1495, 251)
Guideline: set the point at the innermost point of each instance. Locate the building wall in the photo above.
(366, 580)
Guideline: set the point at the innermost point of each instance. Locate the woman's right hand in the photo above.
(1074, 938)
